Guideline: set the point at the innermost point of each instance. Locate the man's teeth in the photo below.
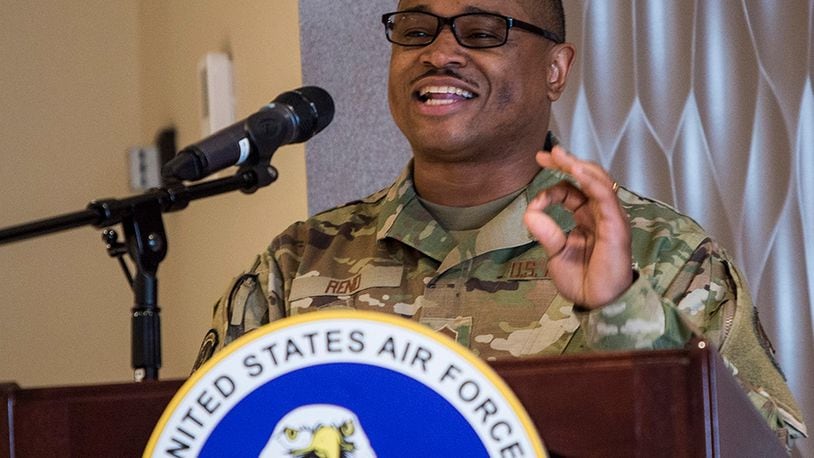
(439, 101)
(426, 94)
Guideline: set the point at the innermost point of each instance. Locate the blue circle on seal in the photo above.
(401, 416)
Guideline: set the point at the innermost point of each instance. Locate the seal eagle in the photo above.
(318, 431)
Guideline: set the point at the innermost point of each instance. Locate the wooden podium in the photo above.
(677, 403)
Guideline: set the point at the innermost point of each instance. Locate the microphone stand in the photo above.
(146, 243)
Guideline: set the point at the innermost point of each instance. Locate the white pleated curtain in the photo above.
(704, 104)
(708, 105)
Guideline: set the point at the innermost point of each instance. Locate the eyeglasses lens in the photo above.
(471, 30)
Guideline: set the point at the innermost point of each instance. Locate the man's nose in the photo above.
(444, 50)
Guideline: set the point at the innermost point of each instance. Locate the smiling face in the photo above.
(459, 104)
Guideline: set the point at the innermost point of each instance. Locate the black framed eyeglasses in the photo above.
(471, 30)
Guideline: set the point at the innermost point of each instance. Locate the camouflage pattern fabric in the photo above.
(386, 253)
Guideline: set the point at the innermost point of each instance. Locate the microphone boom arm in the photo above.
(141, 218)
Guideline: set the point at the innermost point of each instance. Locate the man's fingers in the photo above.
(562, 193)
(547, 232)
(589, 176)
(595, 186)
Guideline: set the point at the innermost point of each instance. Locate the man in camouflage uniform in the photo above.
(510, 250)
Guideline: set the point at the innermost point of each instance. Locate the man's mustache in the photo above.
(446, 72)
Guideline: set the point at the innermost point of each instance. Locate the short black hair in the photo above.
(551, 14)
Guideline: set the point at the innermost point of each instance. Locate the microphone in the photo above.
(293, 117)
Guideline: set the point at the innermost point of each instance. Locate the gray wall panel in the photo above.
(345, 52)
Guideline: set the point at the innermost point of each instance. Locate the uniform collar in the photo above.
(403, 218)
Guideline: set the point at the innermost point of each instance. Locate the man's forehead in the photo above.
(507, 7)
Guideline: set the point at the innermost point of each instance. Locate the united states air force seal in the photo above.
(345, 384)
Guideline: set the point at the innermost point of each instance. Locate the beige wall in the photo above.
(80, 83)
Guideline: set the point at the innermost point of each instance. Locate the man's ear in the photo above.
(562, 58)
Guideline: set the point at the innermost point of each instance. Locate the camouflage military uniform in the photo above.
(386, 253)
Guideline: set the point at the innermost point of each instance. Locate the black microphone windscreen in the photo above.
(315, 107)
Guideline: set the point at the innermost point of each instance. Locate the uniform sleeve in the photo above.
(250, 301)
(705, 296)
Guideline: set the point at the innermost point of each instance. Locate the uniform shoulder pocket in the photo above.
(246, 305)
